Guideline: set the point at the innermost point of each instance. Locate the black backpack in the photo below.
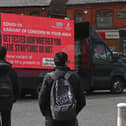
(6, 90)
(62, 98)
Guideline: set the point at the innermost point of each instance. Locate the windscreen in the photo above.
(33, 41)
(122, 33)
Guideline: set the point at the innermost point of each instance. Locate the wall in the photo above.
(89, 14)
(43, 11)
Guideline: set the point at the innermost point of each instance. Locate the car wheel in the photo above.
(117, 85)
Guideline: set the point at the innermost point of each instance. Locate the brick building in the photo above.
(107, 16)
(44, 8)
(25, 7)
(57, 8)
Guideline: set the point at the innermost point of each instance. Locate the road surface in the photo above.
(100, 110)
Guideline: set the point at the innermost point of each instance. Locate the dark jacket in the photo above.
(44, 95)
(7, 67)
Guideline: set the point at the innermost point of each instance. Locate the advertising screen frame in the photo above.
(32, 41)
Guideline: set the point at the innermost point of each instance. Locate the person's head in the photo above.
(3, 52)
(60, 59)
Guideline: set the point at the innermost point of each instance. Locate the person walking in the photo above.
(45, 96)
(8, 88)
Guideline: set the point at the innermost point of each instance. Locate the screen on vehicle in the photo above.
(32, 41)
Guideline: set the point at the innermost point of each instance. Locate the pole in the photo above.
(121, 114)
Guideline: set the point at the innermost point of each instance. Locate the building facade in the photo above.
(25, 7)
(106, 17)
(33, 11)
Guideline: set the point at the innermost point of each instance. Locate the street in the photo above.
(100, 110)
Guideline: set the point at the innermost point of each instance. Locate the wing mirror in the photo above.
(116, 57)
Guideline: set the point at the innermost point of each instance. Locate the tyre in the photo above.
(38, 88)
(22, 94)
(89, 91)
(117, 85)
(35, 93)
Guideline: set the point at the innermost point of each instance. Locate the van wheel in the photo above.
(89, 91)
(117, 85)
(38, 88)
(35, 93)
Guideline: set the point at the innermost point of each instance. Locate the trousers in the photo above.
(51, 122)
(5, 118)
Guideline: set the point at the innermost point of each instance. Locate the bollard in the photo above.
(121, 114)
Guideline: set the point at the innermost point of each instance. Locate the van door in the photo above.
(102, 66)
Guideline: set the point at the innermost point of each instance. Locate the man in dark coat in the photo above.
(7, 67)
(61, 62)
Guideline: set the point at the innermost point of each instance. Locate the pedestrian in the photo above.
(61, 68)
(8, 88)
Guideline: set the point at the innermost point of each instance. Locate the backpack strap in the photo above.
(68, 74)
(55, 75)
(52, 75)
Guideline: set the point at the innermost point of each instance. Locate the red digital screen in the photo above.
(32, 41)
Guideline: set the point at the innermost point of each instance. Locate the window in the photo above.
(8, 12)
(78, 16)
(104, 18)
(121, 14)
(35, 13)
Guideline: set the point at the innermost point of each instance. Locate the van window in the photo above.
(77, 54)
(109, 55)
(99, 52)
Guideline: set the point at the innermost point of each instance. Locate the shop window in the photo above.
(121, 14)
(78, 16)
(104, 18)
(35, 13)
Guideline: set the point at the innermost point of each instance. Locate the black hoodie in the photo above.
(44, 95)
(6, 67)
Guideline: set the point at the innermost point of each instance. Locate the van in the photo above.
(98, 68)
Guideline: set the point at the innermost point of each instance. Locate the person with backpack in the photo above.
(8, 88)
(60, 97)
